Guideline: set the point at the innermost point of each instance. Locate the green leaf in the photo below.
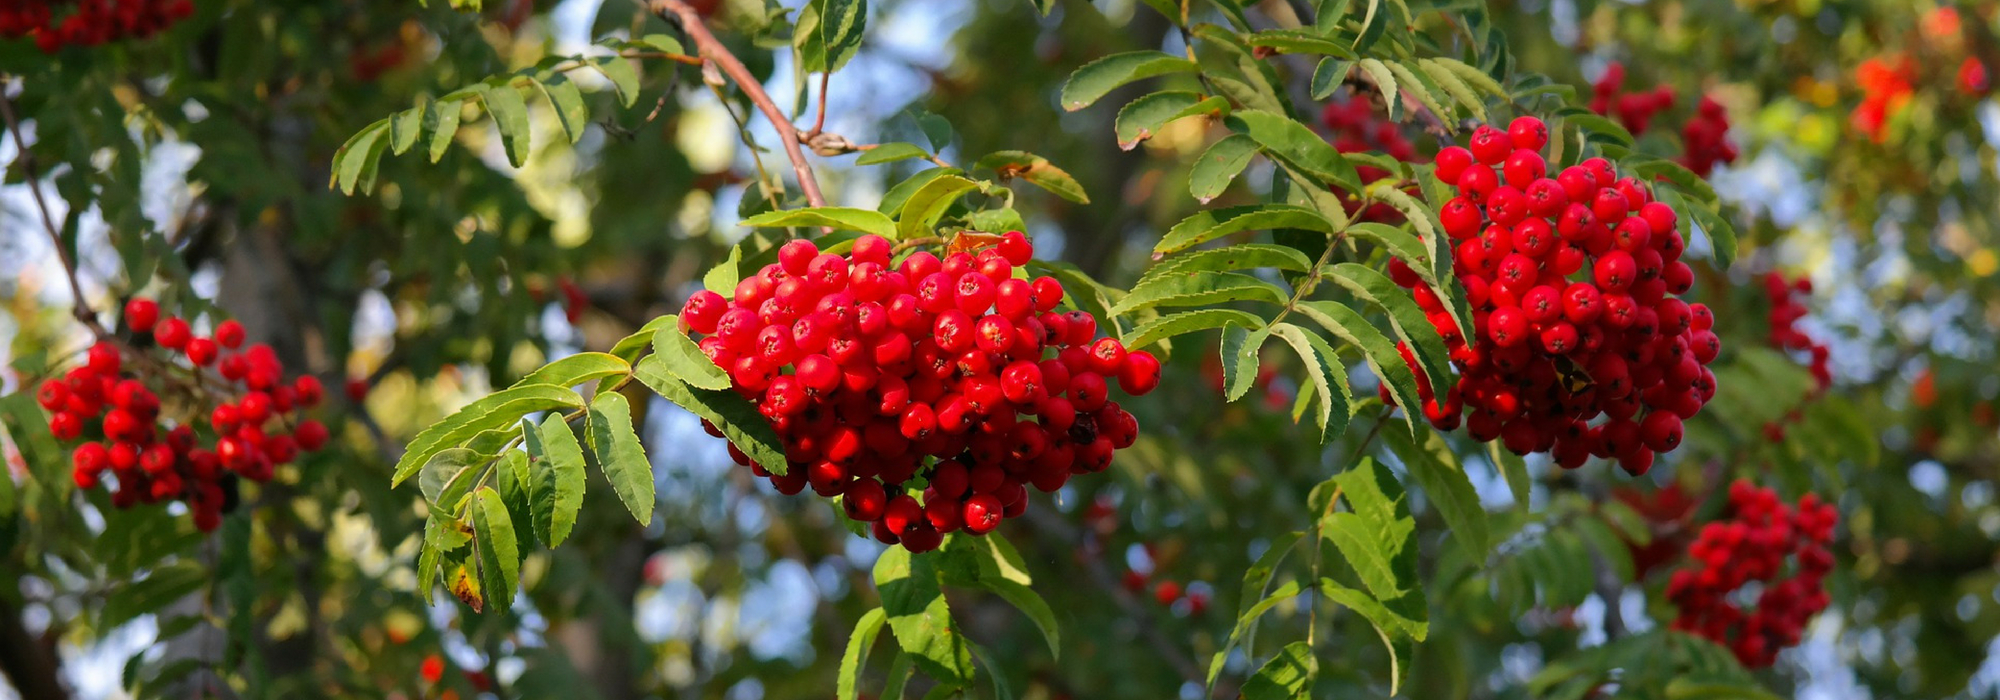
(557, 479)
(1448, 79)
(998, 569)
(1045, 6)
(499, 409)
(1197, 289)
(1240, 358)
(632, 346)
(1001, 689)
(1327, 375)
(448, 476)
(1649, 169)
(919, 617)
(1385, 85)
(621, 455)
(1098, 78)
(739, 420)
(1296, 145)
(404, 128)
(856, 655)
(684, 359)
(163, 586)
(899, 675)
(1513, 469)
(1218, 166)
(661, 43)
(567, 102)
(1209, 225)
(1471, 76)
(1167, 326)
(1245, 256)
(499, 554)
(510, 114)
(1431, 461)
(1299, 41)
(1038, 171)
(899, 195)
(1248, 617)
(928, 203)
(624, 78)
(1399, 633)
(1419, 87)
(1597, 124)
(1721, 235)
(1328, 76)
(354, 156)
(447, 113)
(1286, 676)
(1405, 317)
(1376, 348)
(842, 26)
(1376, 535)
(1398, 243)
(1373, 23)
(843, 218)
(1142, 118)
(890, 153)
(577, 369)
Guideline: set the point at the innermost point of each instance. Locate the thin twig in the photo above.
(80, 308)
(819, 122)
(712, 50)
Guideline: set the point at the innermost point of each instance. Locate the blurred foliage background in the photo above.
(193, 167)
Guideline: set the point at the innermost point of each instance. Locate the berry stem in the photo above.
(80, 307)
(712, 50)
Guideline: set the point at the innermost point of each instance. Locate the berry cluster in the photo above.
(1358, 128)
(1705, 138)
(1757, 545)
(151, 458)
(1547, 355)
(1786, 310)
(1887, 85)
(88, 22)
(867, 369)
(1634, 110)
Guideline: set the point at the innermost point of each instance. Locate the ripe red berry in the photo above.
(229, 334)
(141, 314)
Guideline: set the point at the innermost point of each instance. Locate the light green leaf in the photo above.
(1385, 85)
(1037, 170)
(1287, 676)
(499, 553)
(576, 369)
(1448, 80)
(737, 418)
(354, 156)
(1431, 461)
(890, 153)
(1299, 41)
(1248, 617)
(900, 194)
(1398, 243)
(1142, 118)
(1376, 349)
(510, 115)
(1166, 326)
(1245, 256)
(919, 616)
(1472, 76)
(621, 455)
(557, 479)
(1296, 145)
(404, 128)
(448, 472)
(1328, 376)
(567, 102)
(1218, 166)
(682, 357)
(843, 218)
(1405, 317)
(856, 655)
(1399, 634)
(1197, 289)
(1418, 86)
(447, 113)
(1240, 358)
(630, 347)
(1098, 78)
(1209, 225)
(1376, 535)
(499, 409)
(624, 78)
(921, 211)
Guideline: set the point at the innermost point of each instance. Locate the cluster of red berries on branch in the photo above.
(1781, 548)
(1549, 354)
(194, 452)
(1705, 137)
(1358, 128)
(54, 25)
(869, 369)
(1787, 308)
(1887, 85)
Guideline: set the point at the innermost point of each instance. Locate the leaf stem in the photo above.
(713, 52)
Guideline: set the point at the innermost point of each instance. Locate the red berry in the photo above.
(229, 334)
(141, 314)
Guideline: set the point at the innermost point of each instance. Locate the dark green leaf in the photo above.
(1240, 358)
(621, 455)
(1216, 223)
(1167, 326)
(1376, 349)
(499, 553)
(1431, 461)
(1098, 78)
(1037, 170)
(1296, 145)
(739, 420)
(1197, 289)
(557, 479)
(1218, 166)
(1286, 676)
(510, 115)
(624, 78)
(1142, 118)
(1328, 376)
(919, 617)
(842, 25)
(890, 153)
(499, 409)
(856, 656)
(1405, 317)
(354, 156)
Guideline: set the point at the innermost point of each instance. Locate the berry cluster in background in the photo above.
(1548, 355)
(1705, 137)
(236, 415)
(867, 369)
(1787, 307)
(53, 25)
(1357, 128)
(1781, 549)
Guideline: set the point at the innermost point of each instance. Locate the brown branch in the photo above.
(80, 307)
(819, 122)
(712, 50)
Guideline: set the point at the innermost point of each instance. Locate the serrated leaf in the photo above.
(1287, 676)
(1431, 461)
(1376, 349)
(1373, 22)
(899, 195)
(567, 103)
(447, 477)
(856, 656)
(1405, 317)
(1328, 376)
(1219, 165)
(1455, 86)
(1245, 256)
(510, 115)
(919, 616)
(624, 78)
(499, 553)
(890, 153)
(353, 156)
(1166, 326)
(1197, 289)
(1420, 87)
(920, 213)
(1240, 358)
(1597, 124)
(842, 25)
(901, 669)
(500, 409)
(556, 480)
(1038, 171)
(1649, 169)
(843, 218)
(1248, 617)
(1376, 535)
(621, 455)
(404, 128)
(447, 113)
(1385, 85)
(1328, 76)
(685, 360)
(1142, 118)
(737, 418)
(579, 368)
(1296, 145)
(1098, 78)
(1472, 76)
(1398, 243)
(1399, 634)
(1209, 225)
(1299, 41)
